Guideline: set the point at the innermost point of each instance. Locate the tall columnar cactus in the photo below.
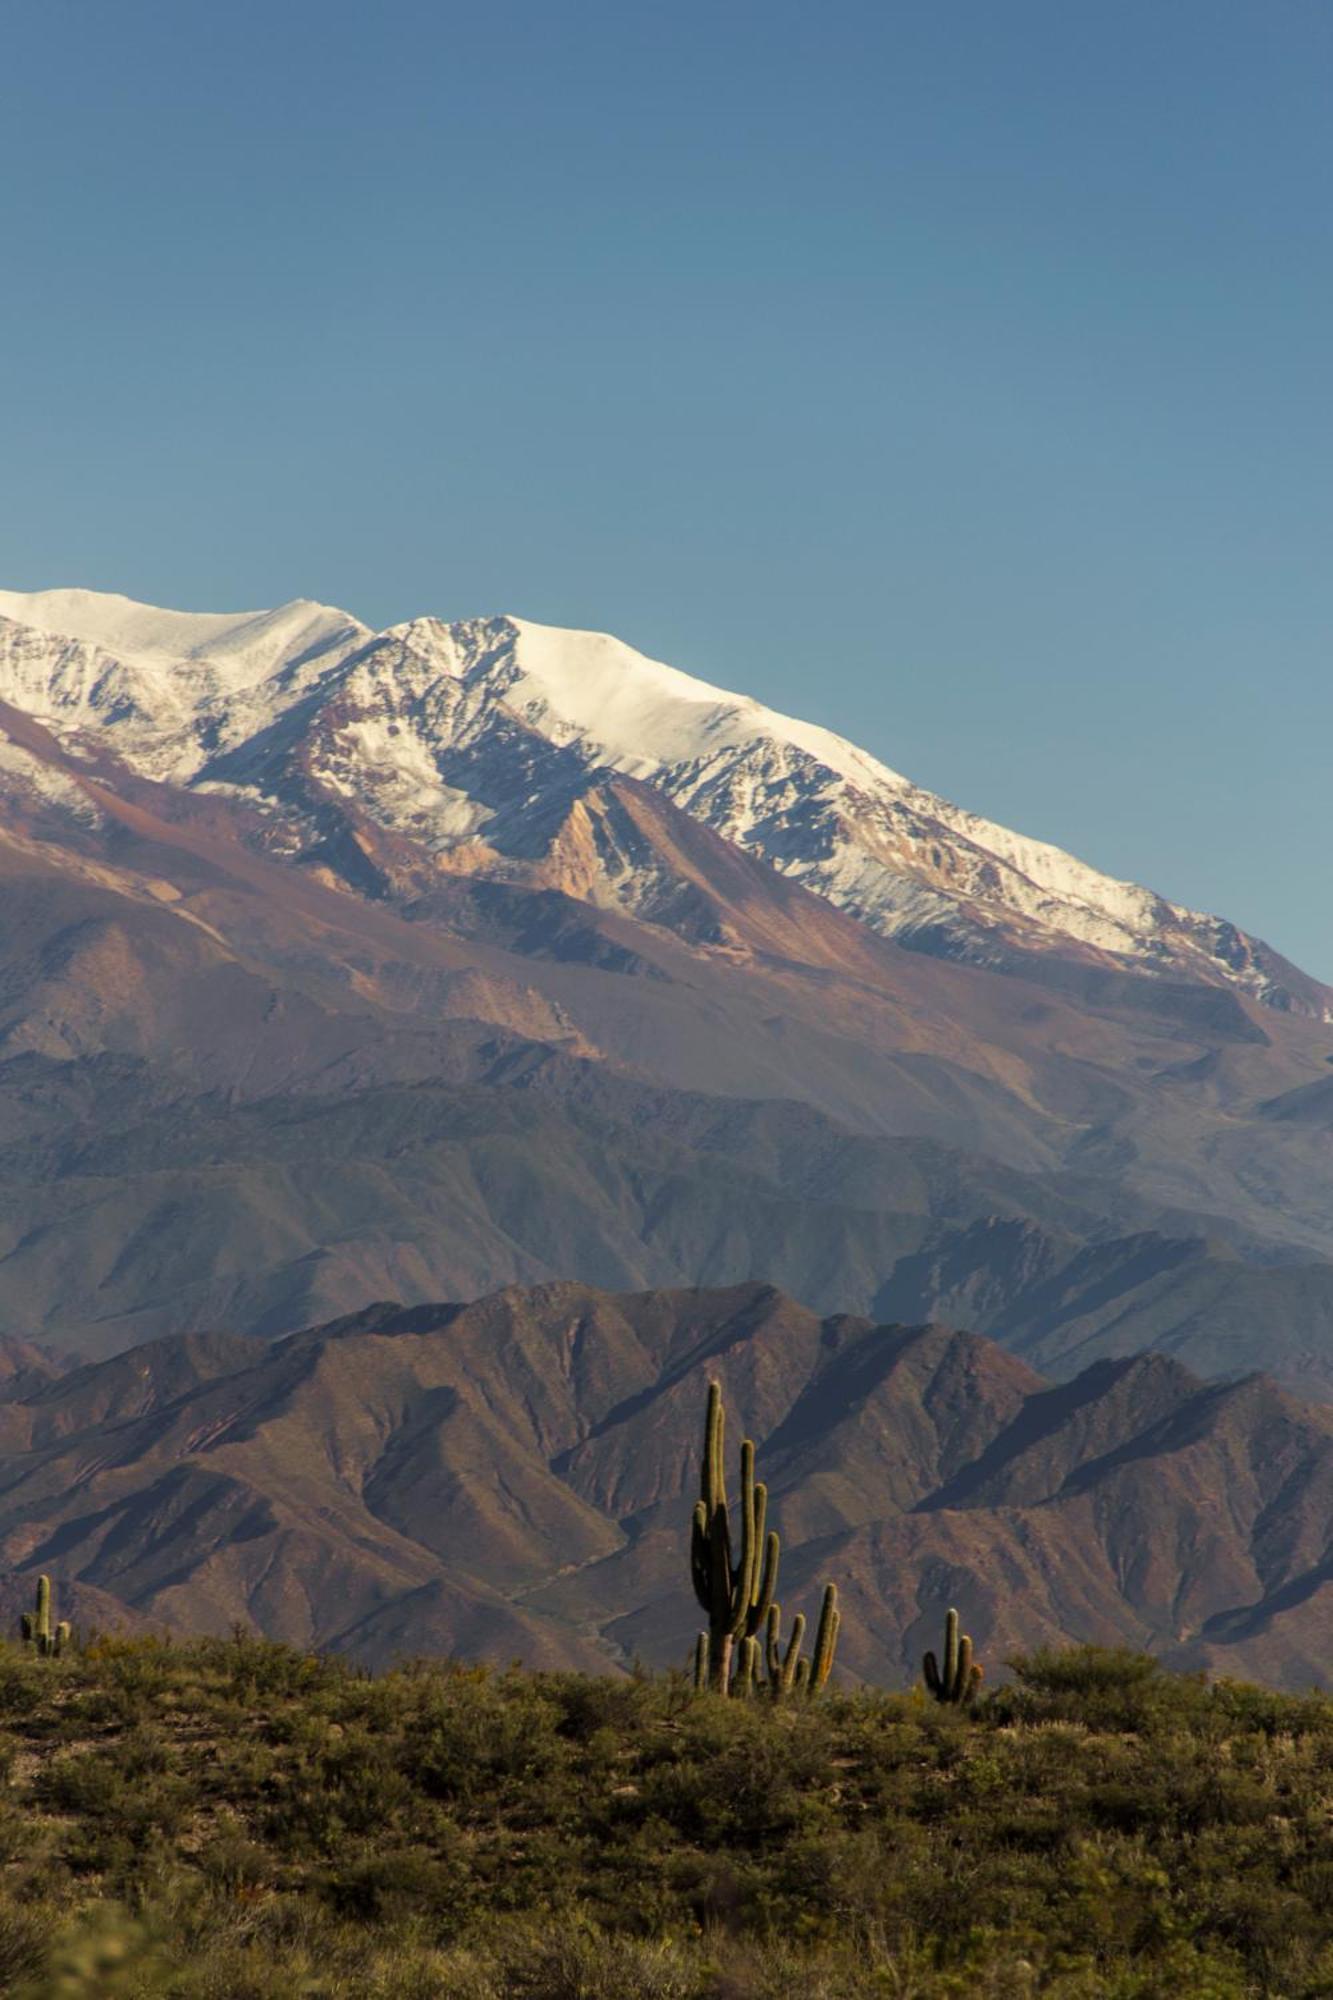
(737, 1589)
(961, 1675)
(35, 1625)
(734, 1587)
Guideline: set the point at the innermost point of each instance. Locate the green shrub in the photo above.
(252, 1822)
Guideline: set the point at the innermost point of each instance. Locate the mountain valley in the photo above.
(514, 1478)
(341, 968)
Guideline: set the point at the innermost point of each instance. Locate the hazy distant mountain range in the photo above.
(513, 1478)
(338, 967)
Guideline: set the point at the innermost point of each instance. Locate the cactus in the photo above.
(962, 1676)
(826, 1639)
(735, 1593)
(788, 1672)
(783, 1667)
(35, 1625)
(701, 1663)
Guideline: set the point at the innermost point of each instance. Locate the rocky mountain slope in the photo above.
(267, 1054)
(515, 1476)
(470, 739)
(338, 967)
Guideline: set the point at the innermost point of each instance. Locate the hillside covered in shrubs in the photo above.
(237, 1820)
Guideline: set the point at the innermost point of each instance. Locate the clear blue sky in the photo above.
(957, 374)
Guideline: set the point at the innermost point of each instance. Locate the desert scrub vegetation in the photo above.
(236, 1820)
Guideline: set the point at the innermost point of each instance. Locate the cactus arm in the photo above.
(719, 1570)
(714, 1493)
(782, 1666)
(793, 1660)
(27, 1628)
(949, 1675)
(768, 1578)
(826, 1638)
(766, 1568)
(963, 1676)
(701, 1663)
(719, 1610)
(44, 1611)
(743, 1576)
(760, 1522)
(773, 1643)
(749, 1661)
(699, 1573)
(706, 1492)
(835, 1627)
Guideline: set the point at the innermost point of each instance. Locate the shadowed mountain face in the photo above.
(336, 967)
(240, 1090)
(514, 1478)
(339, 967)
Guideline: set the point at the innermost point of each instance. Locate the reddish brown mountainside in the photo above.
(512, 1478)
(238, 1090)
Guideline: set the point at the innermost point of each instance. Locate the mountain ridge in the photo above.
(343, 967)
(428, 726)
(516, 1474)
(266, 1056)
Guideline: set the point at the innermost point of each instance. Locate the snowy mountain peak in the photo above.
(432, 638)
(247, 644)
(649, 713)
(165, 687)
(439, 731)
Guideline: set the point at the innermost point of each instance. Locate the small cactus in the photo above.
(783, 1667)
(787, 1672)
(962, 1676)
(35, 1626)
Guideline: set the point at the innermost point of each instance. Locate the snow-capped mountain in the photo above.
(166, 689)
(459, 736)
